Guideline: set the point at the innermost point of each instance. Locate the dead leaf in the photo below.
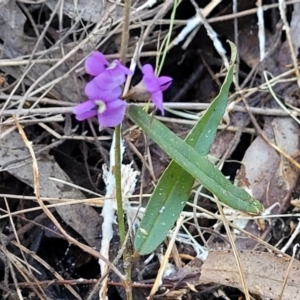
(189, 274)
(295, 27)
(90, 11)
(17, 43)
(259, 166)
(82, 218)
(269, 176)
(286, 132)
(265, 273)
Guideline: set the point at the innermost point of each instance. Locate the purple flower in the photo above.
(103, 91)
(108, 76)
(155, 86)
(93, 91)
(109, 113)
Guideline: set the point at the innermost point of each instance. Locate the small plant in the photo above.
(189, 157)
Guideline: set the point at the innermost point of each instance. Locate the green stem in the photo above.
(125, 31)
(120, 212)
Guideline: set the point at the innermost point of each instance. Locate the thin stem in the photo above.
(120, 212)
(125, 31)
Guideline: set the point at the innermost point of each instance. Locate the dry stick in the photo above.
(57, 118)
(93, 202)
(282, 9)
(92, 281)
(47, 211)
(141, 157)
(236, 40)
(21, 61)
(196, 223)
(288, 271)
(183, 105)
(261, 31)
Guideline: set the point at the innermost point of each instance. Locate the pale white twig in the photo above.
(282, 9)
(128, 182)
(212, 34)
(148, 3)
(261, 31)
(108, 214)
(292, 238)
(195, 22)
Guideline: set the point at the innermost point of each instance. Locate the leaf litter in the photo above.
(31, 46)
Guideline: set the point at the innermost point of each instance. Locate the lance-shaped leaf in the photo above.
(174, 187)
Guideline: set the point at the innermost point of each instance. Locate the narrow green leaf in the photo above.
(197, 165)
(174, 187)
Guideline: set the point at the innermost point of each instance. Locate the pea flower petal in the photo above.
(114, 113)
(85, 110)
(157, 99)
(113, 76)
(164, 82)
(109, 113)
(155, 85)
(96, 64)
(93, 91)
(103, 91)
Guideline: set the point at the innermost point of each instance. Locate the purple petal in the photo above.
(93, 91)
(149, 79)
(96, 64)
(157, 99)
(121, 67)
(164, 82)
(86, 115)
(113, 76)
(84, 107)
(85, 110)
(147, 70)
(114, 114)
(108, 81)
